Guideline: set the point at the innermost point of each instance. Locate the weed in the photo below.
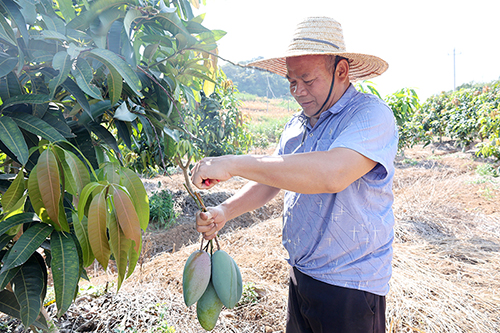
(249, 295)
(410, 161)
(161, 209)
(487, 170)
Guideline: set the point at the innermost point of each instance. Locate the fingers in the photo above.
(206, 225)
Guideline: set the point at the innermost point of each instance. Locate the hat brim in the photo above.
(361, 66)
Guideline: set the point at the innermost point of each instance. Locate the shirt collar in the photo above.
(336, 108)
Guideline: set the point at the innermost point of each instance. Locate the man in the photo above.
(335, 161)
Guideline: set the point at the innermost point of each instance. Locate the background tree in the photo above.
(79, 80)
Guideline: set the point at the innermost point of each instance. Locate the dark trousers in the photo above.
(318, 307)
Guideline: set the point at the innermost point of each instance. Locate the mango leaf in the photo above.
(122, 113)
(4, 240)
(54, 23)
(79, 171)
(82, 21)
(103, 134)
(119, 246)
(6, 276)
(10, 306)
(28, 243)
(132, 15)
(84, 197)
(16, 220)
(61, 62)
(49, 34)
(36, 197)
(7, 63)
(110, 59)
(14, 192)
(55, 118)
(65, 269)
(137, 192)
(36, 126)
(26, 98)
(81, 231)
(115, 85)
(15, 14)
(28, 285)
(13, 139)
(50, 185)
(67, 10)
(126, 215)
(98, 211)
(83, 74)
(6, 32)
(69, 181)
(77, 93)
(9, 86)
(17, 208)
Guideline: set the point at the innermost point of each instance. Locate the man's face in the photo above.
(309, 81)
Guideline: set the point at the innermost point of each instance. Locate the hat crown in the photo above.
(317, 35)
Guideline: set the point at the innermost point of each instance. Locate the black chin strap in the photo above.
(337, 59)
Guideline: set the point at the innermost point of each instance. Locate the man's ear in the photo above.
(343, 69)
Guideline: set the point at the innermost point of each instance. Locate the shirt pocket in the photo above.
(323, 145)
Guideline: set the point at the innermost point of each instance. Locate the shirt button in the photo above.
(311, 135)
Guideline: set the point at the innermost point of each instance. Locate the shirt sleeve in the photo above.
(372, 132)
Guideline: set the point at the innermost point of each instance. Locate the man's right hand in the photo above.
(210, 222)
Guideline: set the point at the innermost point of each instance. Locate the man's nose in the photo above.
(299, 90)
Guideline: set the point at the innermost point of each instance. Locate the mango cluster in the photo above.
(211, 281)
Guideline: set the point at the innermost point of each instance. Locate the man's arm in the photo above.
(315, 172)
(250, 197)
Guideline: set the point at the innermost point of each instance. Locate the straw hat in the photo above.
(323, 36)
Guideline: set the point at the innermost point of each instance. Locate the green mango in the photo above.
(239, 281)
(196, 276)
(208, 308)
(225, 278)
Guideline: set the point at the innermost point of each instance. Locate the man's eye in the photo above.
(309, 82)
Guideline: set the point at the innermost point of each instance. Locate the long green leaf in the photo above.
(97, 228)
(103, 134)
(10, 86)
(27, 285)
(120, 246)
(16, 220)
(65, 269)
(78, 169)
(6, 32)
(81, 231)
(67, 10)
(69, 180)
(49, 184)
(12, 138)
(12, 9)
(96, 110)
(10, 306)
(84, 197)
(138, 194)
(37, 126)
(77, 93)
(7, 63)
(36, 197)
(6, 276)
(110, 59)
(127, 216)
(83, 74)
(61, 62)
(14, 192)
(82, 21)
(28, 243)
(115, 85)
(26, 98)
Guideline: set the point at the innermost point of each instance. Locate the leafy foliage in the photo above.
(161, 209)
(79, 81)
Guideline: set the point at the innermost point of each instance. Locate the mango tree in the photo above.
(76, 78)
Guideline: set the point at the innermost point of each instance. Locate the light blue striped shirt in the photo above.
(345, 239)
